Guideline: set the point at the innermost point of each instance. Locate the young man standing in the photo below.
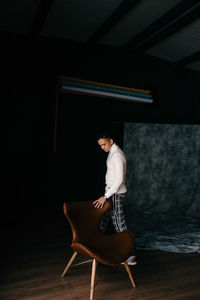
(115, 186)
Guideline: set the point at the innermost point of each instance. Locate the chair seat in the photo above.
(109, 249)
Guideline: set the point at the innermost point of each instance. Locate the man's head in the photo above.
(105, 141)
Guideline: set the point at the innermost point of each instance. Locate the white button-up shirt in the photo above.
(116, 172)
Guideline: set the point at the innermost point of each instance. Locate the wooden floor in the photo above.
(32, 264)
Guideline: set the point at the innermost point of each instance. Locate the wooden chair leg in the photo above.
(94, 265)
(83, 262)
(129, 273)
(69, 263)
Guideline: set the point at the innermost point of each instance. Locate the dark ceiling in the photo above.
(166, 29)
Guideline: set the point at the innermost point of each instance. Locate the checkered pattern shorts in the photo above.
(116, 214)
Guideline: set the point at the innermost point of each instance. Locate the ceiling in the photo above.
(166, 29)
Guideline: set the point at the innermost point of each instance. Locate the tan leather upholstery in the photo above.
(89, 240)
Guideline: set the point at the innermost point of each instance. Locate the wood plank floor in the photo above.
(32, 264)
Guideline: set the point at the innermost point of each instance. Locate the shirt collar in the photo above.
(113, 147)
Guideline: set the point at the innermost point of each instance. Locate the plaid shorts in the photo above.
(116, 214)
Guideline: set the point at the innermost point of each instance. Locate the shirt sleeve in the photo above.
(118, 165)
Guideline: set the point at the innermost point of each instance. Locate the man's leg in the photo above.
(104, 221)
(118, 219)
(117, 213)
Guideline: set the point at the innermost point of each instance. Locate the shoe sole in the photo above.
(130, 264)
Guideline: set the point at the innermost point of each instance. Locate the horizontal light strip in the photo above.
(65, 79)
(106, 89)
(105, 94)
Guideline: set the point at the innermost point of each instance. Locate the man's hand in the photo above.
(99, 203)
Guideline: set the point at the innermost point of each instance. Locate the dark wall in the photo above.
(29, 68)
(80, 163)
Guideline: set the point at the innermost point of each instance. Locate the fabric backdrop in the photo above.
(163, 181)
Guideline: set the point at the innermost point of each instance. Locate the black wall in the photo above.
(32, 185)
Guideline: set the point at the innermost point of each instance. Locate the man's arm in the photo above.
(118, 164)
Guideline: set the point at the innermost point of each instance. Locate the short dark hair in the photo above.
(105, 135)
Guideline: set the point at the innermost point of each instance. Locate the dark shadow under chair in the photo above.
(89, 241)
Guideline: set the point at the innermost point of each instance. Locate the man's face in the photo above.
(105, 144)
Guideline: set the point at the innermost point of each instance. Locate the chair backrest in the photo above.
(89, 240)
(84, 218)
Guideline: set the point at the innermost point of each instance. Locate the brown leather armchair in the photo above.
(90, 241)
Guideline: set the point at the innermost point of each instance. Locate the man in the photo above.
(115, 186)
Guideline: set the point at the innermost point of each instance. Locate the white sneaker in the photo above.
(131, 261)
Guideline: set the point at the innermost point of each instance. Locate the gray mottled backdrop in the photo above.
(163, 180)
